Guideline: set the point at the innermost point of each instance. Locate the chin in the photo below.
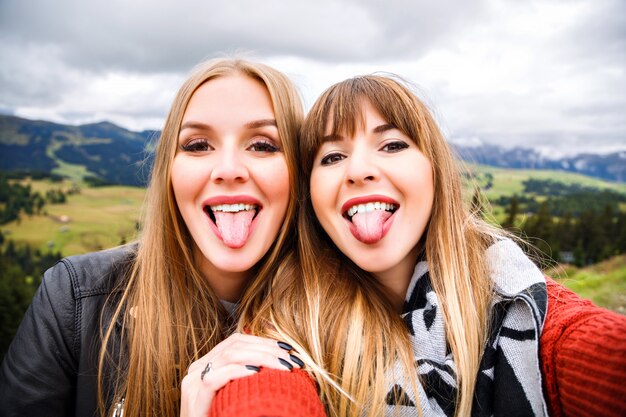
(370, 264)
(237, 263)
(378, 262)
(234, 267)
(228, 260)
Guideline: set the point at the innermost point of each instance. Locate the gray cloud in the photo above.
(172, 36)
(524, 71)
(598, 37)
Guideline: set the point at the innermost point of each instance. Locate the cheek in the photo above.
(274, 178)
(177, 178)
(184, 178)
(323, 197)
(317, 196)
(425, 184)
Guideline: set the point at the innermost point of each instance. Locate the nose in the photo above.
(230, 167)
(361, 168)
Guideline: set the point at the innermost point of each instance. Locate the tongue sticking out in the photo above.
(368, 227)
(234, 227)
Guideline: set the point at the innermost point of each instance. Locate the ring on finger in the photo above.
(206, 370)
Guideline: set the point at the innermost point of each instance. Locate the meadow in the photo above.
(91, 219)
(603, 283)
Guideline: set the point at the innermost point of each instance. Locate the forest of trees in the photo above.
(21, 268)
(17, 199)
(566, 223)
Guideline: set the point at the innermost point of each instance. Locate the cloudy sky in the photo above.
(548, 74)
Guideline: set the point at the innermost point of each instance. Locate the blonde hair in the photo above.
(169, 314)
(340, 315)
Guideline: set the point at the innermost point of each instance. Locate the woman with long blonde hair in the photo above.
(408, 303)
(143, 330)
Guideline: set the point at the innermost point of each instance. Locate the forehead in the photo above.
(234, 93)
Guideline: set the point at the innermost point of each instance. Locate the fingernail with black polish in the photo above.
(296, 360)
(253, 368)
(285, 363)
(285, 346)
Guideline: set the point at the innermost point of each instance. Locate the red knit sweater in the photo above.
(583, 363)
(583, 357)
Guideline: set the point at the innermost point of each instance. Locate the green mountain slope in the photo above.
(101, 150)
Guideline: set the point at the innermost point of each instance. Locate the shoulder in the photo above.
(567, 311)
(583, 348)
(94, 273)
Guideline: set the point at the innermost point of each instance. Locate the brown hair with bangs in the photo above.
(341, 316)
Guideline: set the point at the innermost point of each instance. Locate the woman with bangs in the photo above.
(409, 303)
(147, 329)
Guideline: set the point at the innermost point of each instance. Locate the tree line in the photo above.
(17, 199)
(566, 222)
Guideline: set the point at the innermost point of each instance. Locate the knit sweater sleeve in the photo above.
(269, 393)
(583, 357)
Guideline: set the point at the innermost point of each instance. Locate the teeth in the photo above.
(369, 207)
(233, 208)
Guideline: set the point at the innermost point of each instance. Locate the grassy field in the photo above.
(603, 283)
(509, 181)
(73, 171)
(93, 219)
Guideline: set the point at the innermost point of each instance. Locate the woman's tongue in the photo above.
(234, 227)
(368, 227)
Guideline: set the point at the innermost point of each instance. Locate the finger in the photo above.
(217, 378)
(249, 346)
(219, 348)
(231, 341)
(239, 341)
(257, 357)
(247, 338)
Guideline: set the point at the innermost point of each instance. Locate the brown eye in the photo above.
(332, 158)
(263, 145)
(196, 145)
(395, 146)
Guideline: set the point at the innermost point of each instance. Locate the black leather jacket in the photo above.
(51, 366)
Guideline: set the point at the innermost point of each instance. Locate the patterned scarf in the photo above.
(509, 380)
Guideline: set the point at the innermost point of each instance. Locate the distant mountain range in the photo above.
(611, 167)
(116, 155)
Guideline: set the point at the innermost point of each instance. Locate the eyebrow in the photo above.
(250, 125)
(384, 128)
(261, 123)
(195, 125)
(333, 137)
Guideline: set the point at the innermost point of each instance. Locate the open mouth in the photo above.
(369, 220)
(230, 208)
(368, 208)
(233, 223)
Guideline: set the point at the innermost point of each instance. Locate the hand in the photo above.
(238, 356)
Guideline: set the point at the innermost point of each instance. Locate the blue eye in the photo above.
(196, 145)
(264, 145)
(395, 146)
(332, 158)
